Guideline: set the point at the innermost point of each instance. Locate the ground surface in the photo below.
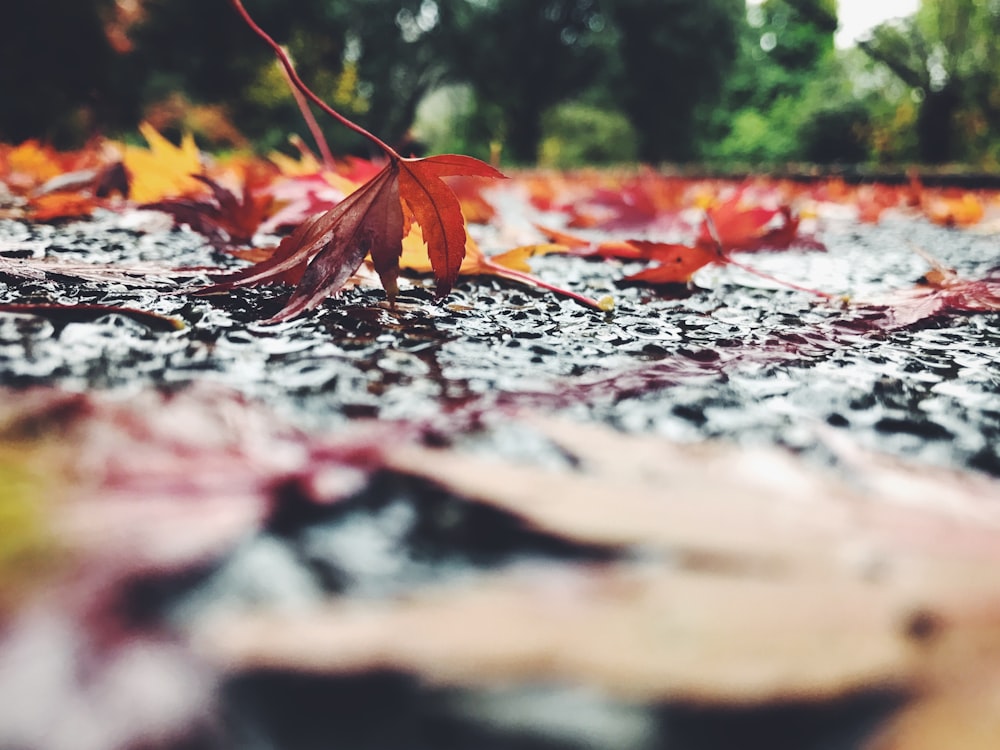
(739, 360)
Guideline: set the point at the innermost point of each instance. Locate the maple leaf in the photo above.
(54, 185)
(437, 210)
(329, 248)
(134, 275)
(223, 218)
(99, 495)
(951, 210)
(60, 206)
(676, 263)
(326, 232)
(25, 167)
(727, 228)
(163, 170)
(940, 292)
(88, 312)
(304, 196)
(785, 616)
(475, 208)
(949, 207)
(511, 265)
(643, 200)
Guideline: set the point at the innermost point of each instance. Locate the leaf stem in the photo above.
(727, 258)
(306, 91)
(776, 280)
(526, 278)
(314, 128)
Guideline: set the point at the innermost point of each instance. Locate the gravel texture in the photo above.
(738, 359)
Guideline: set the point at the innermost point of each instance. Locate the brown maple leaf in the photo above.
(225, 219)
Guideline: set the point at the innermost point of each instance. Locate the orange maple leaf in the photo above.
(25, 167)
(676, 263)
(954, 210)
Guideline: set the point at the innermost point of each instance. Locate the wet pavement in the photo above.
(739, 359)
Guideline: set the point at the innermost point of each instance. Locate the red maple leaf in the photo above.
(329, 248)
(727, 228)
(676, 263)
(941, 291)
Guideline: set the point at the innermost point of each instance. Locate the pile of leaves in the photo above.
(319, 227)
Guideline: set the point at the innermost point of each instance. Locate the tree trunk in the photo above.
(524, 134)
(936, 126)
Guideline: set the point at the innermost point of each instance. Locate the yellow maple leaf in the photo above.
(163, 170)
(305, 164)
(415, 258)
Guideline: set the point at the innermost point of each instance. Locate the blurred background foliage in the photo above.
(556, 82)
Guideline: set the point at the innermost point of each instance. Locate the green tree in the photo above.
(675, 55)
(790, 97)
(521, 57)
(947, 54)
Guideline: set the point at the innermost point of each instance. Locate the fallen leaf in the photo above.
(677, 263)
(565, 239)
(82, 312)
(941, 292)
(327, 249)
(28, 549)
(968, 717)
(61, 206)
(950, 210)
(469, 191)
(300, 198)
(163, 170)
(436, 209)
(517, 258)
(638, 634)
(133, 275)
(23, 168)
(754, 509)
(727, 228)
(758, 579)
(225, 219)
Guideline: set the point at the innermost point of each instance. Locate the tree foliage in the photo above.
(521, 57)
(947, 55)
(789, 97)
(676, 54)
(679, 79)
